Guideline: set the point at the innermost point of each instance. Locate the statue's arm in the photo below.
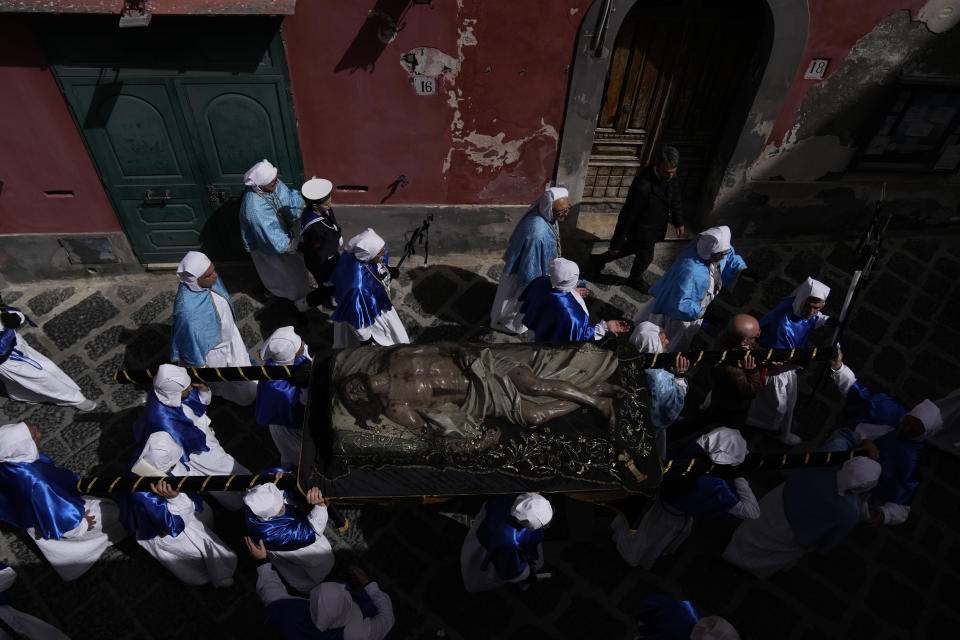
(405, 415)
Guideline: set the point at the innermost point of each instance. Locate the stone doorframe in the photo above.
(790, 23)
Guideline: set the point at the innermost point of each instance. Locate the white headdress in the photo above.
(564, 274)
(281, 346)
(724, 446)
(646, 337)
(16, 443)
(160, 454)
(260, 174)
(532, 510)
(365, 245)
(544, 204)
(713, 240)
(809, 288)
(316, 188)
(713, 628)
(858, 475)
(169, 383)
(332, 607)
(929, 414)
(264, 500)
(193, 265)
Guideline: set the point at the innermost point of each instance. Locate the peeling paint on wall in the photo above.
(484, 150)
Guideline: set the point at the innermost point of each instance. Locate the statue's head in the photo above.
(358, 399)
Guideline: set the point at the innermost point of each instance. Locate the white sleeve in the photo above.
(269, 587)
(205, 396)
(747, 508)
(599, 329)
(872, 431)
(318, 519)
(380, 624)
(181, 506)
(894, 513)
(821, 320)
(843, 378)
(7, 577)
(304, 395)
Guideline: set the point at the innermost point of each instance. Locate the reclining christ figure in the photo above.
(449, 389)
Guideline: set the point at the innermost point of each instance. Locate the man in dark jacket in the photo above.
(653, 199)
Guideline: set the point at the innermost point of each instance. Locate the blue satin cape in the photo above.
(554, 315)
(782, 329)
(361, 298)
(509, 546)
(278, 401)
(862, 405)
(664, 618)
(291, 616)
(816, 513)
(899, 464)
(288, 532)
(679, 292)
(159, 417)
(196, 324)
(533, 246)
(666, 397)
(42, 495)
(261, 227)
(700, 496)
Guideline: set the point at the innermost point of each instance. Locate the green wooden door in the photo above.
(171, 134)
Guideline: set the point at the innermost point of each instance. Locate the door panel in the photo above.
(173, 116)
(673, 74)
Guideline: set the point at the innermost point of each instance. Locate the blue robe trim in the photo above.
(666, 397)
(42, 495)
(278, 401)
(288, 532)
(899, 465)
(146, 514)
(782, 329)
(261, 227)
(554, 315)
(361, 298)
(509, 546)
(816, 513)
(291, 616)
(700, 496)
(196, 324)
(662, 617)
(862, 405)
(679, 292)
(533, 246)
(159, 417)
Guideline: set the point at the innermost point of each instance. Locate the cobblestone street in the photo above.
(894, 582)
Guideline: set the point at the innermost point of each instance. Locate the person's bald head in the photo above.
(745, 329)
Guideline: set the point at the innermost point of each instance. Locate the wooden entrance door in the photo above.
(173, 117)
(674, 72)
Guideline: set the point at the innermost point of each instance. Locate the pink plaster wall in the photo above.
(490, 134)
(42, 149)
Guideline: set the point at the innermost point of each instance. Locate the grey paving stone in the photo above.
(889, 364)
(906, 267)
(473, 305)
(43, 303)
(10, 296)
(887, 293)
(575, 624)
(104, 342)
(158, 309)
(893, 601)
(434, 291)
(242, 307)
(868, 325)
(909, 333)
(804, 264)
(774, 291)
(79, 320)
(145, 347)
(922, 248)
(130, 294)
(924, 307)
(34, 341)
(91, 390)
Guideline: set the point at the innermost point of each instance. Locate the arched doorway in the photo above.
(674, 74)
(689, 73)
